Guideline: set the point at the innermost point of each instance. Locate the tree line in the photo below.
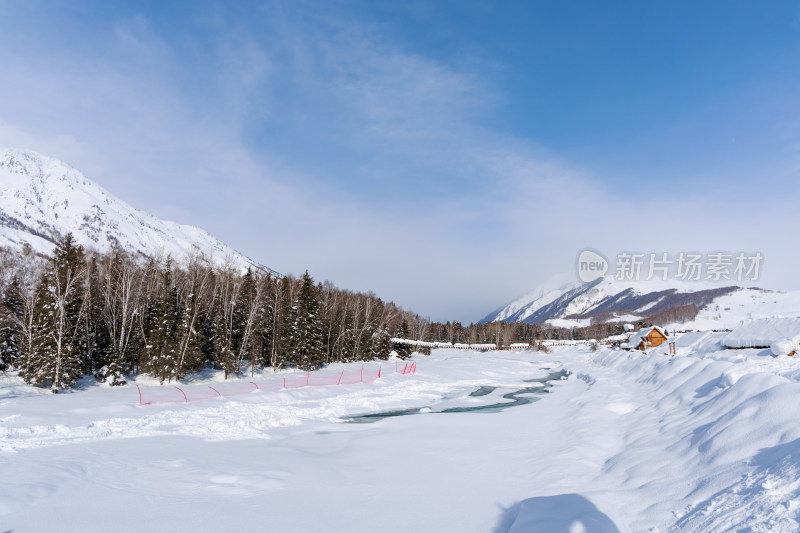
(80, 313)
(506, 333)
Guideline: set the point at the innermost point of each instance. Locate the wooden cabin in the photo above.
(646, 338)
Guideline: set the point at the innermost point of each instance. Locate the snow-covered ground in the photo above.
(730, 310)
(705, 441)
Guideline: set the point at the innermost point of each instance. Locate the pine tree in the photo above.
(118, 286)
(208, 341)
(144, 319)
(282, 320)
(221, 338)
(161, 358)
(365, 343)
(194, 307)
(58, 351)
(10, 326)
(403, 350)
(250, 315)
(381, 343)
(307, 347)
(347, 339)
(113, 371)
(241, 311)
(267, 332)
(35, 364)
(67, 298)
(97, 340)
(187, 348)
(102, 358)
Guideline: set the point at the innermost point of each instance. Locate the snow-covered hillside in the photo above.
(730, 310)
(42, 199)
(607, 299)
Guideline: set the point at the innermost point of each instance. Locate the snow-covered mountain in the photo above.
(607, 299)
(42, 199)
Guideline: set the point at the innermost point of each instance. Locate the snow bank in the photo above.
(699, 342)
(564, 512)
(764, 333)
(785, 347)
(706, 441)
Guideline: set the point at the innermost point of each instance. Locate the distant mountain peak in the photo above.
(42, 199)
(606, 299)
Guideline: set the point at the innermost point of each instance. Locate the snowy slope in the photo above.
(730, 310)
(527, 304)
(42, 199)
(703, 442)
(606, 299)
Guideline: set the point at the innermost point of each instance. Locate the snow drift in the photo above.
(706, 441)
(765, 333)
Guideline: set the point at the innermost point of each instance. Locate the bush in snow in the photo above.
(110, 374)
(784, 347)
(541, 347)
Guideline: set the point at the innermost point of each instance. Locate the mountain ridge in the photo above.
(607, 300)
(42, 199)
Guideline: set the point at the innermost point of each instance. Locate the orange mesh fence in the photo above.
(165, 395)
(349, 377)
(370, 376)
(195, 395)
(407, 368)
(233, 389)
(184, 394)
(295, 383)
(272, 386)
(324, 381)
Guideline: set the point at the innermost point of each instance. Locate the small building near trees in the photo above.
(646, 338)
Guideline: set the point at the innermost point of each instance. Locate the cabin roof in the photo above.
(637, 338)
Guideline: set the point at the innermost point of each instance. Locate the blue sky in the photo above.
(446, 155)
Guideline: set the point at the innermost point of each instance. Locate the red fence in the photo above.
(410, 368)
(218, 390)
